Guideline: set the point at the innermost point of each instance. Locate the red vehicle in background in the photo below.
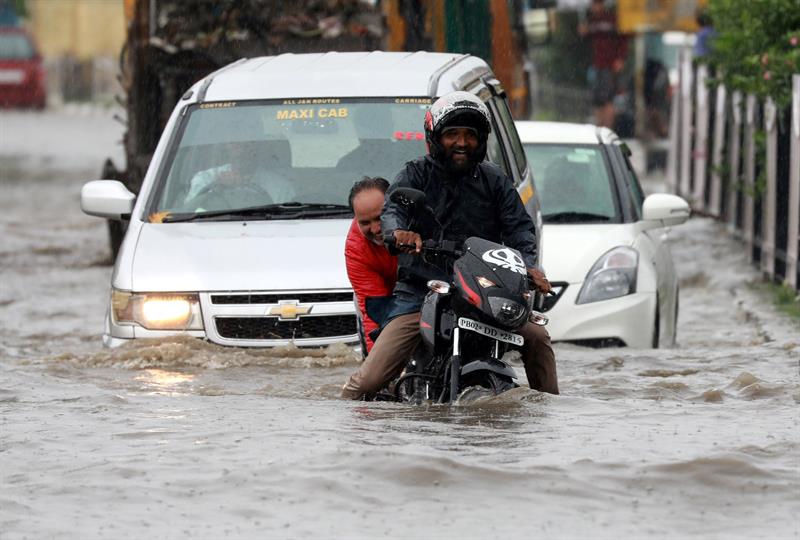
(22, 77)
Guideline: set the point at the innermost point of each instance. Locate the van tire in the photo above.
(657, 325)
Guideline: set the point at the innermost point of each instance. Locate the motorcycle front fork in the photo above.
(455, 364)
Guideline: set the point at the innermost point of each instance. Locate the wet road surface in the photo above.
(183, 439)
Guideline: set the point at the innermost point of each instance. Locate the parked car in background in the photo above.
(22, 76)
(605, 246)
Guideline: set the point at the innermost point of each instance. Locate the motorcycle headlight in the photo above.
(157, 311)
(612, 276)
(508, 312)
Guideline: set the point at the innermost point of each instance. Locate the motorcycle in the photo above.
(467, 324)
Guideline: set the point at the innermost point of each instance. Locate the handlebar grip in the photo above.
(394, 247)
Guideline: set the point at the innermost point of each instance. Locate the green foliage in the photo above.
(785, 298)
(757, 47)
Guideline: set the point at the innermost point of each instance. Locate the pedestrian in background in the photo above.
(705, 35)
(609, 52)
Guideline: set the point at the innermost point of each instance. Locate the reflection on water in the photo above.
(160, 380)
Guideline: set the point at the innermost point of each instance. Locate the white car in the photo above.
(237, 235)
(605, 246)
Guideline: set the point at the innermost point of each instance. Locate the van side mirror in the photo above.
(108, 199)
(664, 210)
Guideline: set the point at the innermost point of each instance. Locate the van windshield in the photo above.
(230, 156)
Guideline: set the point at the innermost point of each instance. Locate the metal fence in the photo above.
(738, 160)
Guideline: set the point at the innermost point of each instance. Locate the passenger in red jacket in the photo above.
(371, 269)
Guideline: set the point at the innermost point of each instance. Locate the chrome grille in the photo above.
(268, 328)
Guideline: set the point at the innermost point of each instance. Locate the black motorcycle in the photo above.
(468, 324)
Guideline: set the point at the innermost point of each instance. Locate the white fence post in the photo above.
(700, 153)
(715, 200)
(675, 134)
(734, 158)
(794, 190)
(749, 174)
(768, 200)
(686, 122)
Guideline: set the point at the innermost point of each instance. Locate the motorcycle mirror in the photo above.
(414, 200)
(408, 197)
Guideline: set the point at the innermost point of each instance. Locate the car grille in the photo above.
(274, 298)
(274, 328)
(549, 301)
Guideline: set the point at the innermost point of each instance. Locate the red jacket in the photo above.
(372, 272)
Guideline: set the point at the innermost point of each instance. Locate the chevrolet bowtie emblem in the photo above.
(289, 310)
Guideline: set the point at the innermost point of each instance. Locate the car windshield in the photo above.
(573, 183)
(293, 158)
(15, 46)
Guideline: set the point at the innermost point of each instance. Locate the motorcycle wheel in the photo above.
(484, 384)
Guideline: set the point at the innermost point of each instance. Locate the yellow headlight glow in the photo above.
(158, 312)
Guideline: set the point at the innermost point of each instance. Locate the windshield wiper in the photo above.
(574, 217)
(289, 210)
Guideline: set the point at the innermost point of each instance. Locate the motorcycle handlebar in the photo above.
(444, 247)
(448, 247)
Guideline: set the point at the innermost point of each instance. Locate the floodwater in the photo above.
(183, 439)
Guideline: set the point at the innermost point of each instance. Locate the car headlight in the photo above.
(157, 311)
(612, 276)
(508, 312)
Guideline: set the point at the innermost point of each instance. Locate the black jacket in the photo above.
(484, 204)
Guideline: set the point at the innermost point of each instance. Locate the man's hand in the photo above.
(407, 241)
(539, 280)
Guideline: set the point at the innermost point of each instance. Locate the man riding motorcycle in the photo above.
(469, 197)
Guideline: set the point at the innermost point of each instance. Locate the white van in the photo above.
(237, 235)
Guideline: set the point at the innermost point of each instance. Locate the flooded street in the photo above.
(184, 439)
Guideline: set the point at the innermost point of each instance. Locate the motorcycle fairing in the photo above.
(488, 364)
(433, 310)
(499, 264)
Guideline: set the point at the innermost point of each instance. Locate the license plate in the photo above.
(490, 331)
(11, 76)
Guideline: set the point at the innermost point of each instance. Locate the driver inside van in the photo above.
(249, 177)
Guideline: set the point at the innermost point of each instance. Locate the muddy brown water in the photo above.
(183, 439)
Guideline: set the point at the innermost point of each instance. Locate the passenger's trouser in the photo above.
(400, 337)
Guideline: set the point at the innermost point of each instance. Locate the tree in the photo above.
(756, 48)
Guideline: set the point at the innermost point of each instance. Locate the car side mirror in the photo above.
(108, 199)
(664, 210)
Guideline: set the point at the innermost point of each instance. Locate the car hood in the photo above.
(252, 255)
(569, 251)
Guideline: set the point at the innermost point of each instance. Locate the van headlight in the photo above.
(612, 276)
(157, 311)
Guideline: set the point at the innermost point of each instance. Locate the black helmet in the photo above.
(457, 109)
